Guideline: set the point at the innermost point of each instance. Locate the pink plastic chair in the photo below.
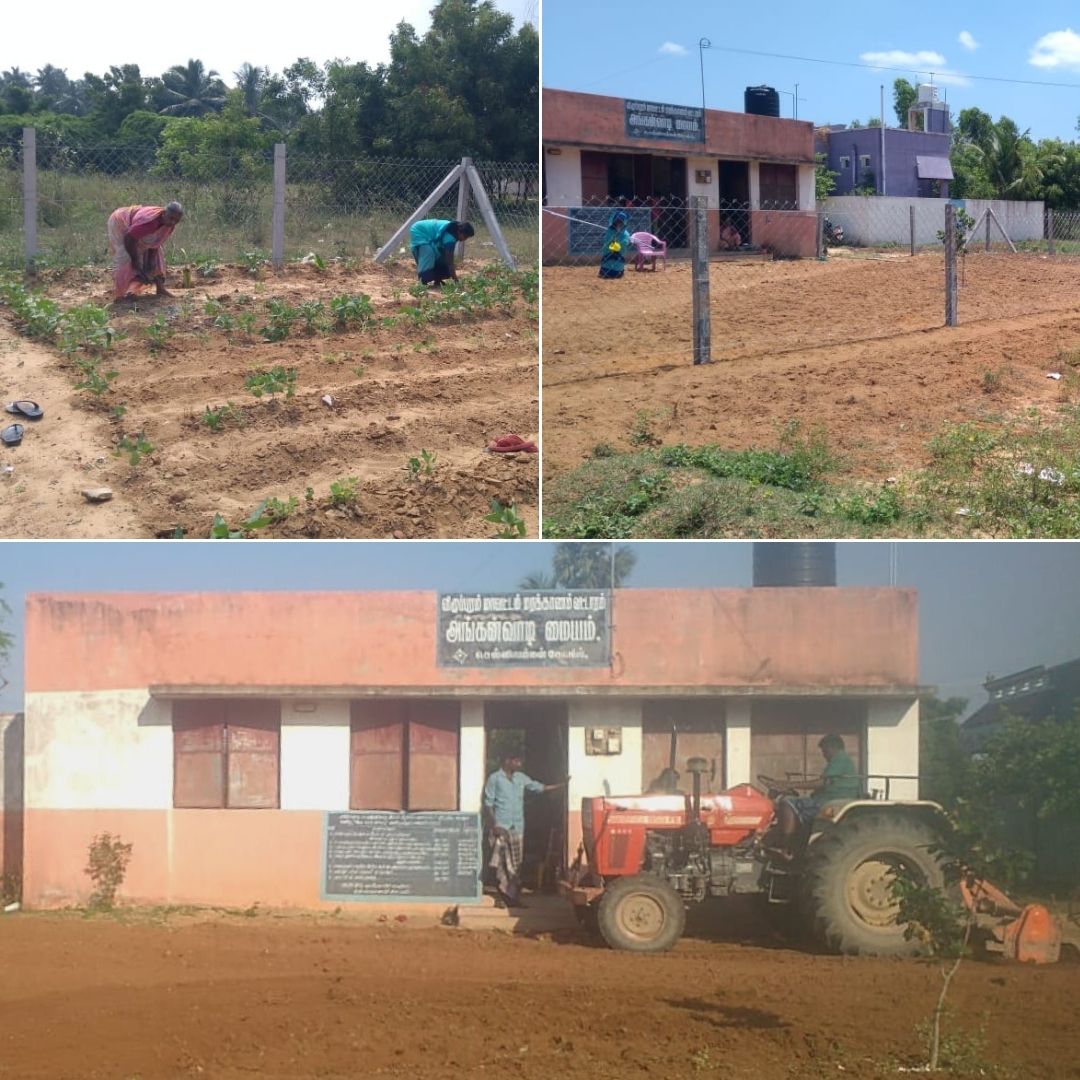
(648, 247)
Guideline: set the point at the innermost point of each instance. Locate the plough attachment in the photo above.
(1029, 934)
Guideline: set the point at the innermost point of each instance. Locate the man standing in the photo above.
(504, 816)
(433, 243)
(839, 780)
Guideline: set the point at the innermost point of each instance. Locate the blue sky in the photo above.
(635, 48)
(984, 607)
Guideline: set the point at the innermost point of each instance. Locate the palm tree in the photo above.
(251, 82)
(1011, 170)
(191, 90)
(592, 566)
(538, 580)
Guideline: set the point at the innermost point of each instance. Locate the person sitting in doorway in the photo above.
(433, 242)
(729, 237)
(839, 780)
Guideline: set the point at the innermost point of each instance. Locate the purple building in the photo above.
(916, 162)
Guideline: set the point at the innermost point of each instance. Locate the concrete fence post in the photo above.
(699, 251)
(986, 242)
(29, 150)
(277, 232)
(462, 204)
(911, 226)
(819, 240)
(950, 265)
(1050, 232)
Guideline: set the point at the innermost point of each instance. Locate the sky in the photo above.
(83, 37)
(640, 49)
(993, 607)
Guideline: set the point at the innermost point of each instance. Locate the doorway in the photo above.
(734, 195)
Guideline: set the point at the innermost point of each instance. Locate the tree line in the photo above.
(468, 86)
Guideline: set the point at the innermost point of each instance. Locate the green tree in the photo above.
(112, 96)
(943, 762)
(591, 566)
(904, 96)
(538, 580)
(824, 178)
(17, 92)
(7, 641)
(191, 90)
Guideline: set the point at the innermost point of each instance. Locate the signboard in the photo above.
(652, 120)
(567, 628)
(585, 229)
(380, 855)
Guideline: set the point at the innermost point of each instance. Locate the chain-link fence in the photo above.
(344, 208)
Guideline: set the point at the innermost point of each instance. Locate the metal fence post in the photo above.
(277, 242)
(819, 240)
(699, 249)
(911, 224)
(462, 204)
(1050, 232)
(29, 150)
(950, 265)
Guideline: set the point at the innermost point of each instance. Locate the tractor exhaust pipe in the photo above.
(696, 766)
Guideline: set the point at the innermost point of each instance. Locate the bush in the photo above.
(107, 863)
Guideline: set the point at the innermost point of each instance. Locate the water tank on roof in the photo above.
(927, 94)
(794, 564)
(762, 101)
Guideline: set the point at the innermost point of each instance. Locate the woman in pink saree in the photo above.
(136, 234)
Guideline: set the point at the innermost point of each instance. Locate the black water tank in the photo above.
(762, 101)
(785, 564)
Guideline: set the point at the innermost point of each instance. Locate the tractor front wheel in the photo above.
(641, 914)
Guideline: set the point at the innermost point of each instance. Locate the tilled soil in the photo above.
(448, 388)
(853, 346)
(317, 996)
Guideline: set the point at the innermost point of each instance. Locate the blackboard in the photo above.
(379, 855)
(584, 238)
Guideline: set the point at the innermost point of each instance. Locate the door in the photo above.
(698, 728)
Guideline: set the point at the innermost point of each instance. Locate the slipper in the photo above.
(12, 435)
(512, 444)
(30, 409)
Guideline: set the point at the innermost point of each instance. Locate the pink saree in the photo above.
(140, 220)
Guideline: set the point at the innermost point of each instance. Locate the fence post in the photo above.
(462, 204)
(911, 223)
(1050, 232)
(950, 265)
(699, 251)
(986, 242)
(29, 197)
(277, 242)
(820, 235)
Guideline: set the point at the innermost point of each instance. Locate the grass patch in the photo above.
(1019, 479)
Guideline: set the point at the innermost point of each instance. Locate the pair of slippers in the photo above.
(13, 433)
(513, 444)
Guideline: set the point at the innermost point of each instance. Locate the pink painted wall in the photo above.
(662, 637)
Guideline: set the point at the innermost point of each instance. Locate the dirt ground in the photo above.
(228, 997)
(448, 388)
(853, 345)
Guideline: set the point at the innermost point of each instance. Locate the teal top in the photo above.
(430, 242)
(841, 781)
(504, 796)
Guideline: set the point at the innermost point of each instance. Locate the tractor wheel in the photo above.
(846, 885)
(641, 914)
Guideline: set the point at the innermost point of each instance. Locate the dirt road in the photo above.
(228, 997)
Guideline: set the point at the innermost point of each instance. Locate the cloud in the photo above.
(967, 40)
(923, 61)
(669, 48)
(1059, 49)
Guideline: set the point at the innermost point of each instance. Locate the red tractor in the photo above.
(645, 857)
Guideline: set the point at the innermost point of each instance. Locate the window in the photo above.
(864, 160)
(845, 161)
(778, 186)
(226, 754)
(404, 755)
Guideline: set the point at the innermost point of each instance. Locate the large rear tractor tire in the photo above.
(641, 914)
(846, 886)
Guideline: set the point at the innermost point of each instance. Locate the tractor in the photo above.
(644, 858)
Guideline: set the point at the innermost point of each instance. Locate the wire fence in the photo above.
(334, 207)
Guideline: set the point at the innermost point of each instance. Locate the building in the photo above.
(1034, 694)
(228, 736)
(757, 172)
(911, 162)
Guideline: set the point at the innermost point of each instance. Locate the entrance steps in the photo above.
(544, 914)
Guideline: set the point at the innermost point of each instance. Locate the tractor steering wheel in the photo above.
(774, 787)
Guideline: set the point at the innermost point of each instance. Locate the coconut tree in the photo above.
(191, 90)
(1007, 160)
(251, 82)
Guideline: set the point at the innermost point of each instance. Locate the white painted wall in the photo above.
(315, 755)
(737, 742)
(97, 751)
(807, 197)
(755, 186)
(892, 745)
(562, 173)
(589, 771)
(708, 190)
(471, 749)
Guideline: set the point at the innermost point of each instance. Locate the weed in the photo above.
(135, 447)
(245, 323)
(278, 380)
(107, 862)
(94, 381)
(309, 496)
(213, 308)
(159, 332)
(253, 261)
(511, 524)
(117, 412)
(602, 450)
(216, 418)
(424, 465)
(343, 492)
(224, 321)
(884, 508)
(991, 381)
(206, 268)
(359, 371)
(642, 434)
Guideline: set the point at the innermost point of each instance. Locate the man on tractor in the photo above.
(839, 780)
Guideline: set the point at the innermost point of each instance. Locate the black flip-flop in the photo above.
(30, 409)
(12, 435)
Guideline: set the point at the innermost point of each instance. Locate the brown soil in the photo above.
(315, 996)
(449, 388)
(854, 346)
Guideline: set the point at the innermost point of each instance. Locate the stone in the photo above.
(97, 495)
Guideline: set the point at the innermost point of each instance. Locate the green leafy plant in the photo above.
(86, 328)
(642, 434)
(311, 311)
(511, 526)
(216, 418)
(253, 261)
(206, 268)
(424, 465)
(136, 447)
(276, 510)
(344, 492)
(95, 381)
(106, 865)
(159, 332)
(351, 310)
(281, 318)
(278, 380)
